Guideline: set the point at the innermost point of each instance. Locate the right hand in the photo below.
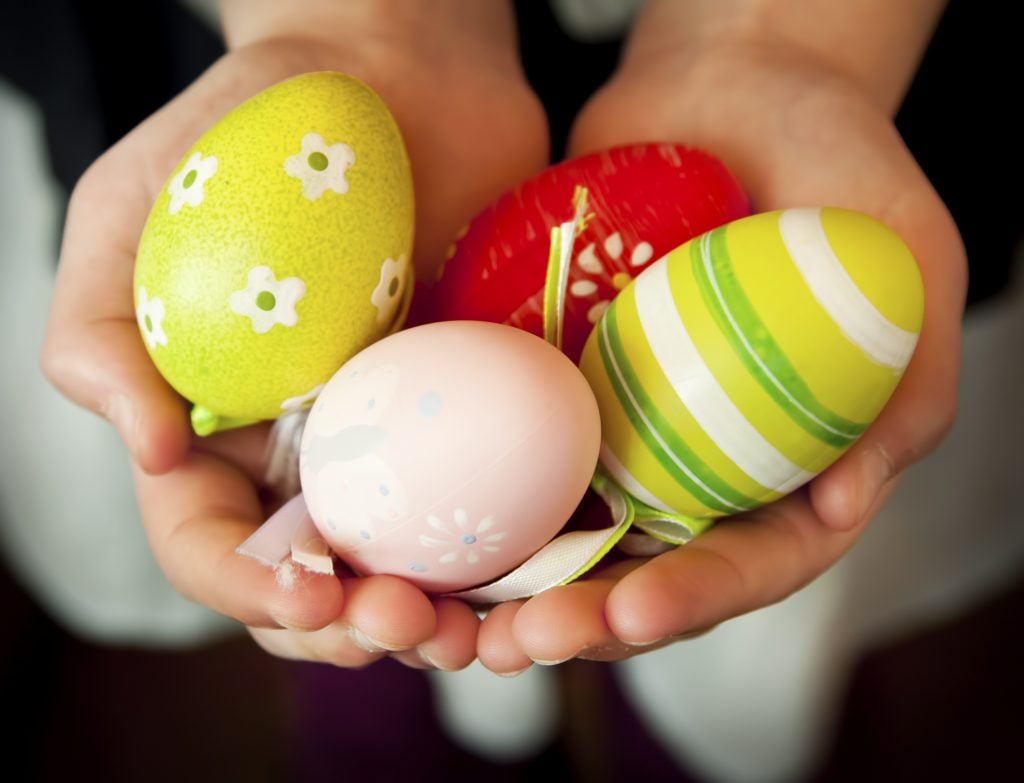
(473, 128)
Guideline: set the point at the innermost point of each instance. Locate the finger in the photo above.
(497, 646)
(195, 516)
(333, 644)
(923, 407)
(568, 621)
(387, 613)
(739, 565)
(93, 351)
(546, 640)
(382, 615)
(453, 644)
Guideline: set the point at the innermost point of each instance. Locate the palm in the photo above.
(795, 135)
(200, 499)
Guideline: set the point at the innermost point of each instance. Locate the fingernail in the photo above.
(286, 626)
(674, 637)
(556, 662)
(510, 675)
(640, 644)
(429, 661)
(364, 642)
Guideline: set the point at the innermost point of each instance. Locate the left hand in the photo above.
(797, 132)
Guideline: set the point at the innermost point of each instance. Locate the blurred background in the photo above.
(901, 662)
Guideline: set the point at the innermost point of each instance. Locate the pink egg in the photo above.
(449, 453)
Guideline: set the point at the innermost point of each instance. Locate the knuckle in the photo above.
(56, 363)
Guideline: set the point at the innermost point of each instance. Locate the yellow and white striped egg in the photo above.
(746, 361)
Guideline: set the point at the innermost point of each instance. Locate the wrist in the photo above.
(441, 29)
(874, 44)
(249, 22)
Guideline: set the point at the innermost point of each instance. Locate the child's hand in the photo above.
(797, 131)
(473, 128)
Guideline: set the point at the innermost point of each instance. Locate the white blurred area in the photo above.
(755, 700)
(69, 525)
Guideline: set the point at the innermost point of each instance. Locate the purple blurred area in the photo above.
(941, 705)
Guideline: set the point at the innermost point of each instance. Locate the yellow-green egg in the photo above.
(279, 247)
(747, 360)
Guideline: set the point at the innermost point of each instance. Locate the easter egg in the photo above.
(643, 201)
(749, 359)
(448, 453)
(279, 247)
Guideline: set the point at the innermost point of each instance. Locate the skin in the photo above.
(200, 498)
(797, 98)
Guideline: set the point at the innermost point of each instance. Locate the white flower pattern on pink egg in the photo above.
(463, 541)
(588, 261)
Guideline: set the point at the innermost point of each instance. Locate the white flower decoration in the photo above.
(267, 300)
(463, 541)
(150, 315)
(187, 185)
(387, 296)
(302, 400)
(587, 260)
(320, 167)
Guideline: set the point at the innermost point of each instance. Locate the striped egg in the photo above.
(743, 363)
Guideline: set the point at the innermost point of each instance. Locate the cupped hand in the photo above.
(472, 127)
(797, 133)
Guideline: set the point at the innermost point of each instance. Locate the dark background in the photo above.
(97, 72)
(941, 704)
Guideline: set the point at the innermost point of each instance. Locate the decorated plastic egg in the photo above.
(449, 453)
(746, 361)
(279, 247)
(642, 200)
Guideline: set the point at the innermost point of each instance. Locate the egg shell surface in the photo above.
(644, 200)
(449, 453)
(278, 248)
(743, 363)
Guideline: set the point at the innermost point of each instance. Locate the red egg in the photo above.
(642, 200)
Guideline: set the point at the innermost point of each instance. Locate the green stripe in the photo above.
(752, 342)
(696, 478)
